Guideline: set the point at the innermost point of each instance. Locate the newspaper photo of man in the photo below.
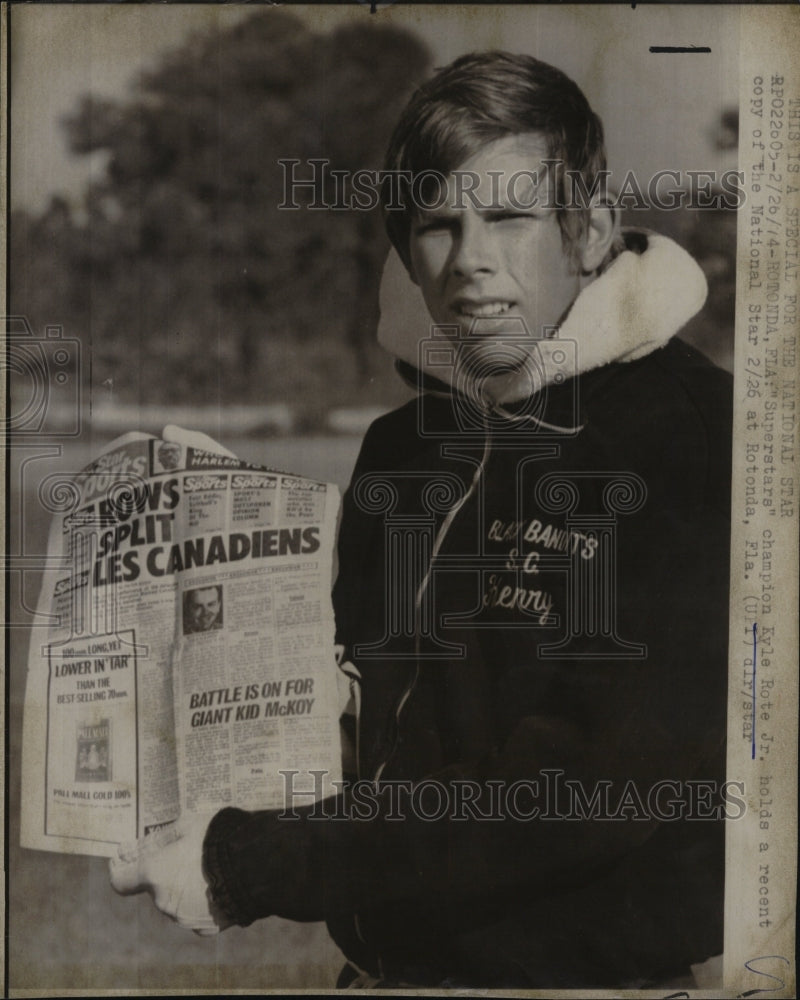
(168, 456)
(202, 609)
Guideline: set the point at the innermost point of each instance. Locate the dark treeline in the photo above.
(184, 280)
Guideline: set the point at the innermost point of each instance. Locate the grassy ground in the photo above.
(67, 929)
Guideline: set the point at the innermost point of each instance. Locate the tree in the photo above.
(186, 276)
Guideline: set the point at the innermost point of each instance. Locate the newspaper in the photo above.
(190, 653)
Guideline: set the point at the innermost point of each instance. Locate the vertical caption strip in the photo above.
(762, 707)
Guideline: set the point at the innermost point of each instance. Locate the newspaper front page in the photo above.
(190, 656)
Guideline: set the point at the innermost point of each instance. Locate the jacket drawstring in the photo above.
(441, 534)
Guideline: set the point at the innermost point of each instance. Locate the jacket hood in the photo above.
(634, 306)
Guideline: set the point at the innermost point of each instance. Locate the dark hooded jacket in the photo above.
(533, 605)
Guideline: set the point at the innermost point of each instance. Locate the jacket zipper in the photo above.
(440, 537)
(438, 542)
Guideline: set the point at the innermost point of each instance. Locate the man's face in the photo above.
(203, 608)
(482, 269)
(169, 455)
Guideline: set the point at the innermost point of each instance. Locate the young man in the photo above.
(532, 592)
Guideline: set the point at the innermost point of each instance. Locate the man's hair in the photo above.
(209, 586)
(483, 97)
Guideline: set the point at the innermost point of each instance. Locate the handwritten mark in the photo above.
(760, 972)
(749, 965)
(753, 727)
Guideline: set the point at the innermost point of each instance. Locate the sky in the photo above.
(658, 109)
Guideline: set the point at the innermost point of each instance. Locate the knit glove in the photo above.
(168, 865)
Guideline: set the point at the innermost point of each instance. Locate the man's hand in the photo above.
(168, 864)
